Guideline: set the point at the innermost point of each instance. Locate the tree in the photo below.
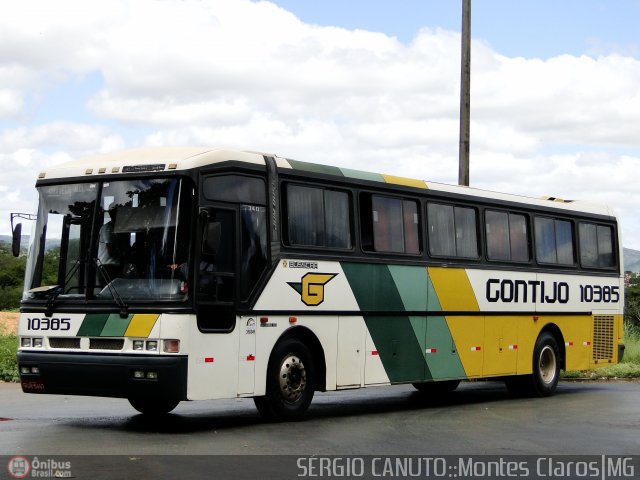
(632, 307)
(11, 277)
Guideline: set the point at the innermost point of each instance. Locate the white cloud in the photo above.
(10, 103)
(26, 151)
(168, 112)
(76, 139)
(251, 75)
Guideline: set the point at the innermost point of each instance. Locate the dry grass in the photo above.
(9, 323)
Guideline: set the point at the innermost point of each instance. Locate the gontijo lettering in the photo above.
(539, 291)
(531, 291)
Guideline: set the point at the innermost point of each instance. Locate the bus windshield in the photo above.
(112, 241)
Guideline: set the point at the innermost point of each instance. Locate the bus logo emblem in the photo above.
(311, 287)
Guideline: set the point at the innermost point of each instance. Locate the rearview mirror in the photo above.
(15, 243)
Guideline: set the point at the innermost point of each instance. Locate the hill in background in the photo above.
(631, 260)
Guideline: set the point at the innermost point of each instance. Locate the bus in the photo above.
(168, 274)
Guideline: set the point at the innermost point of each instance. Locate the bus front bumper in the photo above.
(122, 376)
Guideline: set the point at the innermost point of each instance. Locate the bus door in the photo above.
(215, 269)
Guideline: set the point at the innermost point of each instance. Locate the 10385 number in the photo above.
(598, 293)
(56, 324)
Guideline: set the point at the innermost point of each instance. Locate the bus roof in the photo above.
(156, 159)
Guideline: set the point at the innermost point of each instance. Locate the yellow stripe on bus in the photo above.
(455, 293)
(141, 325)
(407, 182)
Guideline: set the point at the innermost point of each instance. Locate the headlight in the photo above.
(171, 346)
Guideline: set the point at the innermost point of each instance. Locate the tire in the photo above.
(437, 388)
(290, 382)
(153, 406)
(546, 370)
(546, 365)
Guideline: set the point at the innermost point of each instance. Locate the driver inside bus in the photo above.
(108, 255)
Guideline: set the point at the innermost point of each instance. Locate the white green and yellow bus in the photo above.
(168, 274)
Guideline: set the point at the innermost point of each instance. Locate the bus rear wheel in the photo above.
(290, 382)
(546, 370)
(153, 406)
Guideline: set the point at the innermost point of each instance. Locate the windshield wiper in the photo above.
(124, 308)
(53, 291)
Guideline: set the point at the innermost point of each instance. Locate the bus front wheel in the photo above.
(290, 382)
(153, 406)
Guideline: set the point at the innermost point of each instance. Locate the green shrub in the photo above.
(8, 361)
(10, 297)
(632, 345)
(621, 370)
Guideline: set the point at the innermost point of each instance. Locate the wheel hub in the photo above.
(293, 378)
(547, 365)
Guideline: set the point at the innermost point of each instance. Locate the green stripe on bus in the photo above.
(398, 348)
(411, 348)
(396, 337)
(419, 325)
(314, 167)
(92, 324)
(360, 175)
(448, 363)
(411, 283)
(115, 326)
(373, 286)
(445, 363)
(433, 303)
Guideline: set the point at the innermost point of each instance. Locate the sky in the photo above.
(366, 84)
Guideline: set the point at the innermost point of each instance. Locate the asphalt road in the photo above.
(106, 438)
(479, 418)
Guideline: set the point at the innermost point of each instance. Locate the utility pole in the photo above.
(465, 95)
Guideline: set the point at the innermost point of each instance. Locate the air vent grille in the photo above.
(64, 342)
(603, 337)
(106, 343)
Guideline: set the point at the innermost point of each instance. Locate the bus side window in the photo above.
(507, 236)
(389, 224)
(318, 217)
(554, 241)
(596, 245)
(452, 231)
